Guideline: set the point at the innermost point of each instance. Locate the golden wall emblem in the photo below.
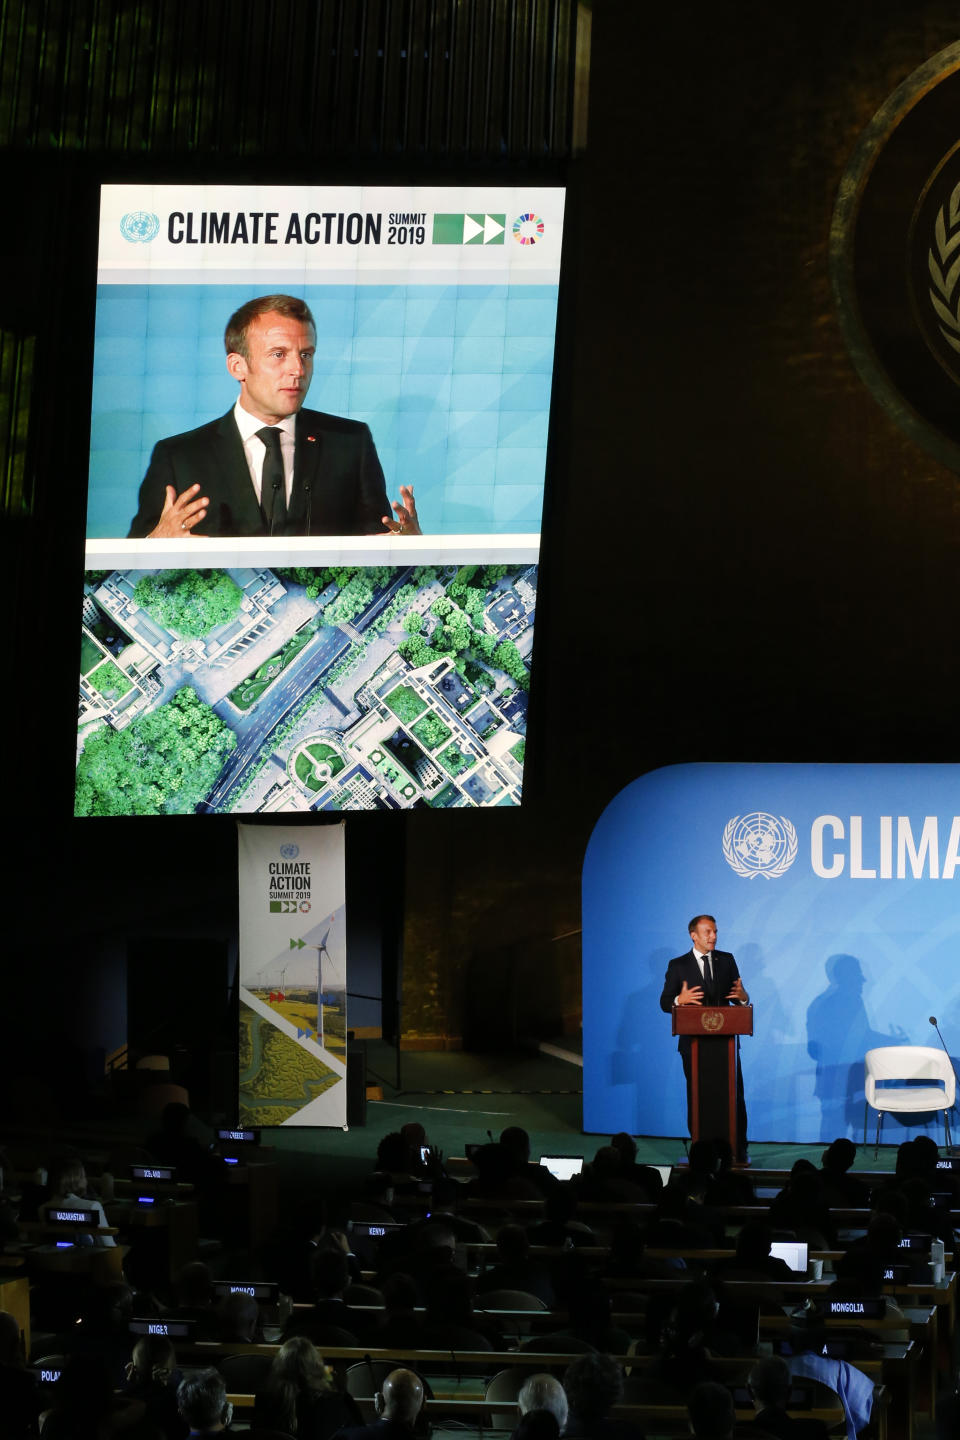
(895, 255)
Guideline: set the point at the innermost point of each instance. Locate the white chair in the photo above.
(908, 1062)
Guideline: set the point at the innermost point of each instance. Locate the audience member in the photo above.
(19, 1399)
(71, 1191)
(753, 1260)
(451, 1322)
(203, 1402)
(302, 1390)
(402, 1324)
(152, 1376)
(85, 1406)
(769, 1385)
(603, 1181)
(558, 1226)
(331, 1321)
(840, 1188)
(515, 1268)
(536, 1425)
(239, 1318)
(648, 1177)
(399, 1404)
(711, 1410)
(196, 1301)
(544, 1392)
(593, 1385)
(515, 1144)
(801, 1207)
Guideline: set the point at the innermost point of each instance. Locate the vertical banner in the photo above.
(293, 976)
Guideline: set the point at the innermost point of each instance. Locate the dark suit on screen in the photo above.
(338, 485)
(725, 972)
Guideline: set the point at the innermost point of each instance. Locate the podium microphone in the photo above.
(933, 1022)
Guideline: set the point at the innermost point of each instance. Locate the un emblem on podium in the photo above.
(711, 1021)
(759, 844)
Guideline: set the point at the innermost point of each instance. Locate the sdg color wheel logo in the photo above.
(759, 844)
(527, 228)
(139, 227)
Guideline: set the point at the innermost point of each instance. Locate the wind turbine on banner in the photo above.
(321, 950)
(275, 994)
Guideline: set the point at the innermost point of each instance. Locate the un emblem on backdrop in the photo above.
(139, 227)
(290, 852)
(759, 844)
(895, 255)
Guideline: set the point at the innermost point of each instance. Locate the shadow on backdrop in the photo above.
(838, 1028)
(630, 1060)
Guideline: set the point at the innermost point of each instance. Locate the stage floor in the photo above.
(459, 1098)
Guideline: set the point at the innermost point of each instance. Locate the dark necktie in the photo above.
(273, 488)
(707, 980)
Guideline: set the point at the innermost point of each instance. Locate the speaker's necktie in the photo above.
(707, 980)
(273, 488)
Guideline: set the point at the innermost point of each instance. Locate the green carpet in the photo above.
(459, 1097)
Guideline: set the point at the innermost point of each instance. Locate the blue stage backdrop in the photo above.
(837, 887)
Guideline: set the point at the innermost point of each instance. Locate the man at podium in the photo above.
(706, 976)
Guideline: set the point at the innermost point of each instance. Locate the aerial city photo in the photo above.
(272, 689)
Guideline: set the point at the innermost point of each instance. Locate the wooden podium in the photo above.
(713, 1031)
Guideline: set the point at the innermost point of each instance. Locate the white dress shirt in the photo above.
(255, 450)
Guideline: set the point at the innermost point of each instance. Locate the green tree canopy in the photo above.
(191, 603)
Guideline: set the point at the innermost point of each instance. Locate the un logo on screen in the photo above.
(139, 227)
(289, 852)
(759, 844)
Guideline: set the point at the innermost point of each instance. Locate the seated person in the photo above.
(682, 1222)
(536, 1425)
(603, 1182)
(452, 1323)
(593, 1385)
(769, 1386)
(239, 1317)
(193, 1285)
(71, 1192)
(152, 1376)
(515, 1144)
(202, 1398)
(85, 1406)
(648, 1177)
(544, 1392)
(712, 1412)
(399, 1405)
(515, 1269)
(802, 1207)
(558, 1227)
(330, 1313)
(401, 1323)
(302, 1396)
(713, 1159)
(840, 1188)
(753, 1260)
(443, 1209)
(19, 1397)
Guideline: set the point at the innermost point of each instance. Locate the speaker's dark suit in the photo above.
(725, 972)
(338, 485)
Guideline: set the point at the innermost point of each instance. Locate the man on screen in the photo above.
(269, 467)
(706, 976)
